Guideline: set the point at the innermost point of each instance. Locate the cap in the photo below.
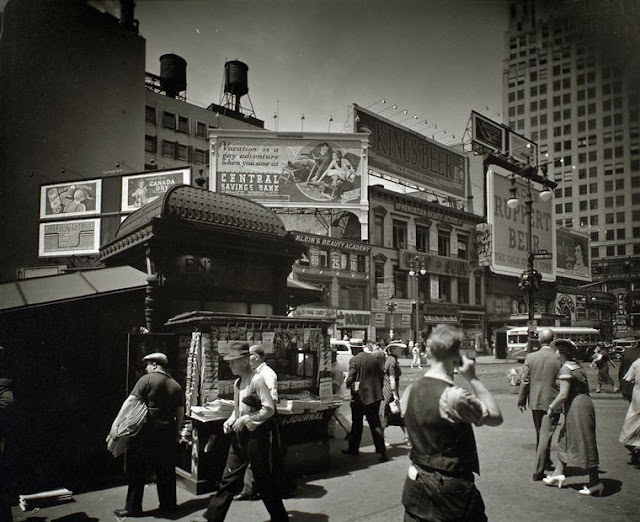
(156, 357)
(237, 351)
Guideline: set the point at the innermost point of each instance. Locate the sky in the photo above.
(438, 59)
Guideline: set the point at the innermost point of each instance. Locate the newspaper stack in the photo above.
(45, 498)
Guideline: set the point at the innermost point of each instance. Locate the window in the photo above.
(584, 205)
(595, 236)
(595, 252)
(422, 238)
(593, 188)
(378, 273)
(169, 149)
(378, 230)
(620, 233)
(621, 250)
(609, 235)
(182, 152)
(593, 221)
(444, 288)
(168, 120)
(568, 192)
(150, 115)
(611, 251)
(568, 207)
(399, 234)
(323, 257)
(400, 280)
(150, 144)
(444, 247)
(201, 130)
(201, 157)
(463, 291)
(183, 124)
(593, 204)
(462, 246)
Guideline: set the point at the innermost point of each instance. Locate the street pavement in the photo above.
(363, 489)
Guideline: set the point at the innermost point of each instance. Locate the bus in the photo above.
(584, 338)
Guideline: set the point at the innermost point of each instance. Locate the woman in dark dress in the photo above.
(390, 393)
(577, 440)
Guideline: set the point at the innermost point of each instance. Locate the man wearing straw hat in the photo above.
(250, 442)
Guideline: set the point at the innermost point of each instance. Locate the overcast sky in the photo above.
(435, 58)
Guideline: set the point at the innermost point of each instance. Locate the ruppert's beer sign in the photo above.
(408, 155)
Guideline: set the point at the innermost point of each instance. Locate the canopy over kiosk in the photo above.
(204, 250)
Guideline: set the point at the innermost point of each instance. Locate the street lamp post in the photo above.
(531, 279)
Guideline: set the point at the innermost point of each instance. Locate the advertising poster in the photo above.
(79, 237)
(510, 234)
(274, 169)
(487, 133)
(406, 154)
(74, 198)
(140, 189)
(573, 255)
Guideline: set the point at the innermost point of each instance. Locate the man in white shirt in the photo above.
(250, 440)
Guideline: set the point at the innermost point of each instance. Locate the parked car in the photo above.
(344, 354)
(620, 345)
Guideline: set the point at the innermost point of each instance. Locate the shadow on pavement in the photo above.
(183, 510)
(308, 490)
(75, 517)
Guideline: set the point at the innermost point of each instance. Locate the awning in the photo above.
(300, 293)
(67, 287)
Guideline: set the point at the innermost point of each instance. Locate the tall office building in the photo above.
(572, 84)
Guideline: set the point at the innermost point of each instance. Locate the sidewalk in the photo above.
(362, 489)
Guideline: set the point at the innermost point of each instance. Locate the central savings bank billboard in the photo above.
(291, 170)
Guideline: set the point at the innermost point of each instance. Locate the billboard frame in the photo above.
(95, 249)
(124, 204)
(72, 187)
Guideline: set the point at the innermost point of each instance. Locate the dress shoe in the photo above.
(355, 453)
(538, 476)
(383, 457)
(123, 513)
(593, 491)
(554, 480)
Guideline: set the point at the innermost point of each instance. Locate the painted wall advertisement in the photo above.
(140, 189)
(69, 238)
(573, 252)
(409, 155)
(71, 199)
(510, 235)
(305, 170)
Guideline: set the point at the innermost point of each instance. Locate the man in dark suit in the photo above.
(538, 388)
(630, 354)
(365, 381)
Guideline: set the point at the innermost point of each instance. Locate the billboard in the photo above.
(70, 199)
(78, 237)
(291, 170)
(488, 133)
(509, 228)
(140, 189)
(409, 155)
(573, 253)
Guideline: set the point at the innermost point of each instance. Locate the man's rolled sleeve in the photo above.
(460, 405)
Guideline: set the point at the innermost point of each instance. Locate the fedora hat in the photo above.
(237, 351)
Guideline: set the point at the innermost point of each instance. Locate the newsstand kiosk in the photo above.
(217, 268)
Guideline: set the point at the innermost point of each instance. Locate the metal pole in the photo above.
(531, 288)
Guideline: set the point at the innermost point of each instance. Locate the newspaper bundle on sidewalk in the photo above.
(45, 498)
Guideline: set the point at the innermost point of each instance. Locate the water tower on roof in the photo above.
(236, 86)
(173, 74)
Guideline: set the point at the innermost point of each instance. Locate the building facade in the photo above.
(571, 85)
(424, 268)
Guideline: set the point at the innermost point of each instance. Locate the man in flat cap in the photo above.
(250, 444)
(155, 446)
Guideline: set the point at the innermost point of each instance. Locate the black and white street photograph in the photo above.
(319, 260)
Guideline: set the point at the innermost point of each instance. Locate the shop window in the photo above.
(399, 234)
